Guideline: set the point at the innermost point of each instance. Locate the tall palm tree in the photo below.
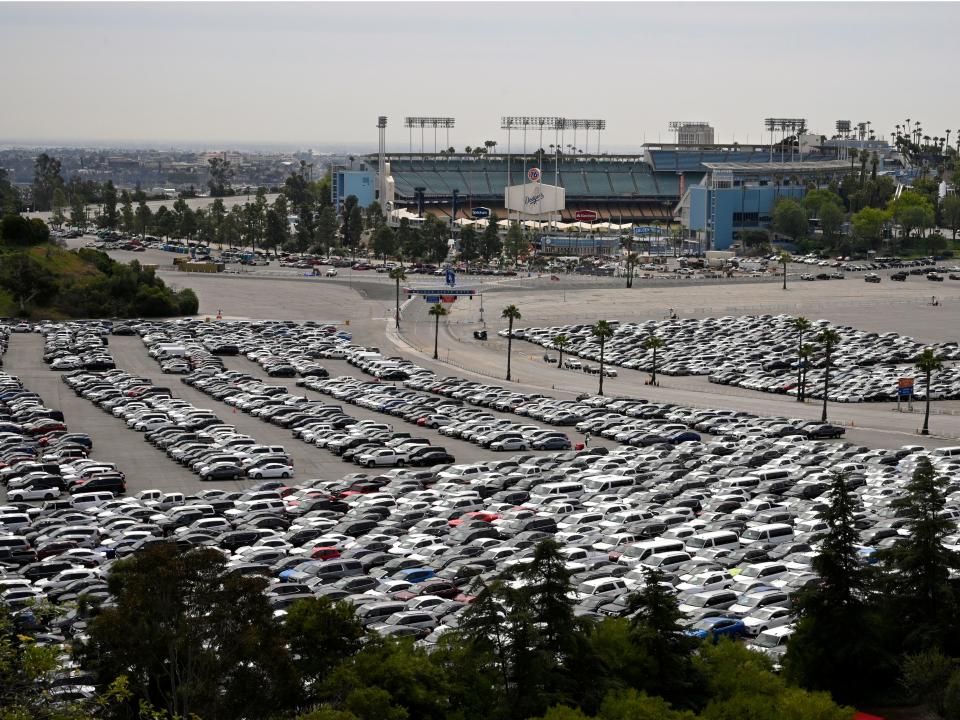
(806, 352)
(801, 325)
(510, 313)
(828, 338)
(437, 311)
(784, 259)
(653, 343)
(397, 275)
(602, 331)
(560, 342)
(927, 362)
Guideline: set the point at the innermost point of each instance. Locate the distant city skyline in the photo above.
(317, 75)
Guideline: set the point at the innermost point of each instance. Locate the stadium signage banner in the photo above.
(534, 198)
(586, 215)
(480, 213)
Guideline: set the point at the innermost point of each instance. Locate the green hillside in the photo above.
(48, 282)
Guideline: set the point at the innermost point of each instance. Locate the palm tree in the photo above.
(510, 313)
(397, 274)
(806, 352)
(560, 342)
(801, 325)
(653, 343)
(927, 362)
(437, 311)
(828, 338)
(602, 331)
(784, 259)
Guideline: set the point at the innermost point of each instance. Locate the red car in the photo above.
(486, 516)
(324, 553)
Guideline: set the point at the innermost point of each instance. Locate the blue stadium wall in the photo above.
(737, 208)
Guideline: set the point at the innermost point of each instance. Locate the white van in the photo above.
(607, 483)
(951, 451)
(666, 561)
(638, 552)
(558, 489)
(739, 483)
(715, 540)
(772, 534)
(82, 501)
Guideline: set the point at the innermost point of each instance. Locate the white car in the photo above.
(381, 456)
(763, 619)
(66, 363)
(271, 470)
(510, 444)
(32, 493)
(331, 272)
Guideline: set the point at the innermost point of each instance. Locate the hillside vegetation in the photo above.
(46, 281)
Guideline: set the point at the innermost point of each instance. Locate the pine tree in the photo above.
(918, 567)
(837, 644)
(657, 633)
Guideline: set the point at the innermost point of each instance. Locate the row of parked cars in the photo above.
(40, 459)
(631, 421)
(733, 530)
(732, 520)
(75, 346)
(194, 437)
(320, 423)
(760, 353)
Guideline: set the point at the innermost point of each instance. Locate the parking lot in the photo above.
(760, 353)
(724, 503)
(145, 466)
(716, 486)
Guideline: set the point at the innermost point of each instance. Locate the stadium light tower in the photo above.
(424, 122)
(675, 126)
(382, 162)
(843, 130)
(793, 125)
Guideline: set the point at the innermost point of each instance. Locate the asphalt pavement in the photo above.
(148, 467)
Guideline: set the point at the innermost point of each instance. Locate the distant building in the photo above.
(734, 197)
(695, 134)
(346, 182)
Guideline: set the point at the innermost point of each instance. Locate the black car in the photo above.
(824, 431)
(899, 276)
(432, 456)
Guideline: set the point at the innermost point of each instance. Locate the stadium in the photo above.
(712, 191)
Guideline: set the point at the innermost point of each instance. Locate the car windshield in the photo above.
(769, 640)
(754, 600)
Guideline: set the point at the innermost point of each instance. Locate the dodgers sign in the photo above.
(480, 213)
(534, 198)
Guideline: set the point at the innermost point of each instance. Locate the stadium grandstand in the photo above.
(638, 188)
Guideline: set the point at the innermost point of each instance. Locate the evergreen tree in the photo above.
(46, 179)
(127, 218)
(326, 233)
(516, 244)
(384, 242)
(110, 205)
(837, 644)
(657, 634)
(469, 244)
(917, 580)
(490, 245)
(435, 234)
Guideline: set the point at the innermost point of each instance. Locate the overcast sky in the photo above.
(319, 74)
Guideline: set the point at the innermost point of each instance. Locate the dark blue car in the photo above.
(717, 627)
(685, 436)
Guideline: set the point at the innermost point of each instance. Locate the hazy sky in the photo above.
(314, 74)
